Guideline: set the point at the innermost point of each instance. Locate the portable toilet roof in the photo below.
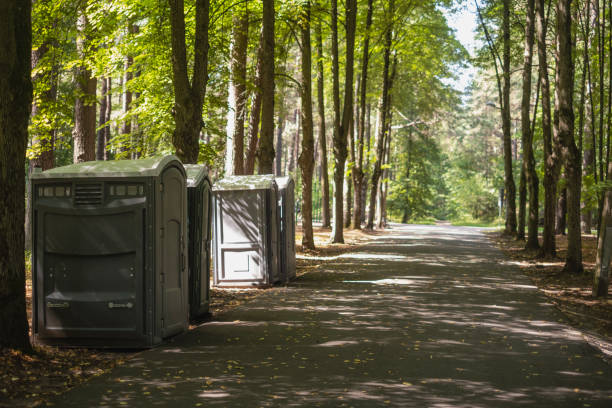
(150, 167)
(254, 182)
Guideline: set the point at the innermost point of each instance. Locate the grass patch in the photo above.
(470, 222)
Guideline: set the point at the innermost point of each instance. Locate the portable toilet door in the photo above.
(199, 221)
(246, 233)
(173, 251)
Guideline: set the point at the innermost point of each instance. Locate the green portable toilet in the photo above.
(109, 253)
(199, 220)
(246, 231)
(286, 213)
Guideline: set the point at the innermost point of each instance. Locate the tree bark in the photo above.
(529, 168)
(358, 173)
(601, 277)
(278, 160)
(254, 118)
(15, 109)
(265, 152)
(237, 95)
(561, 213)
(341, 125)
(325, 210)
(188, 96)
(306, 159)
(126, 102)
(573, 162)
(101, 143)
(506, 125)
(84, 132)
(107, 128)
(551, 159)
(382, 128)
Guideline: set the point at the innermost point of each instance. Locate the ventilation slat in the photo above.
(88, 194)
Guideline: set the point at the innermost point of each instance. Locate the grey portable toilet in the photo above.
(109, 253)
(199, 221)
(286, 207)
(246, 231)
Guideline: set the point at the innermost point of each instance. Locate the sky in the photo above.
(464, 22)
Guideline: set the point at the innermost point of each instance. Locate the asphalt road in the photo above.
(426, 316)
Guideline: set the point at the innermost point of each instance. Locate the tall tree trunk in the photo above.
(237, 95)
(325, 210)
(255, 116)
(101, 145)
(358, 174)
(601, 277)
(529, 169)
(265, 152)
(341, 125)
(84, 132)
(364, 187)
(348, 193)
(188, 96)
(561, 213)
(107, 119)
(383, 113)
(573, 163)
(126, 101)
(278, 160)
(551, 160)
(306, 159)
(506, 125)
(15, 100)
(520, 229)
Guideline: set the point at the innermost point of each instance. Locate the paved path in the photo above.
(425, 317)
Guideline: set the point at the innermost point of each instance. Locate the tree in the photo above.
(306, 159)
(573, 163)
(325, 211)
(384, 109)
(84, 133)
(265, 151)
(357, 171)
(15, 100)
(551, 153)
(237, 95)
(341, 123)
(527, 136)
(188, 96)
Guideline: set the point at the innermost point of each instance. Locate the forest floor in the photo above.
(570, 293)
(28, 379)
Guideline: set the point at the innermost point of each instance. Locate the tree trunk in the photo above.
(101, 145)
(325, 210)
(84, 132)
(529, 166)
(573, 163)
(278, 160)
(265, 152)
(520, 229)
(107, 128)
(561, 213)
(364, 187)
(601, 277)
(306, 159)
(254, 118)
(551, 161)
(509, 179)
(126, 102)
(341, 125)
(15, 100)
(188, 96)
(348, 194)
(237, 95)
(358, 174)
(382, 128)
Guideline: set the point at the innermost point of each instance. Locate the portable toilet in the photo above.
(109, 253)
(246, 231)
(199, 222)
(286, 212)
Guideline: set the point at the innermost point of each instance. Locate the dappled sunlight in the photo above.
(424, 326)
